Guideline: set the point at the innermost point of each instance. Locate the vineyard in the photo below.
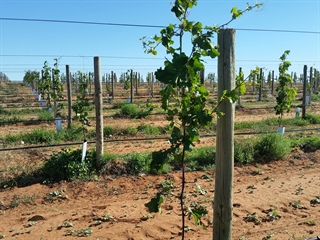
(273, 198)
(177, 156)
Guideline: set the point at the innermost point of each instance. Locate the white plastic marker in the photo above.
(84, 150)
(58, 124)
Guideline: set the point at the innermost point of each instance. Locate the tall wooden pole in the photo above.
(112, 84)
(131, 86)
(152, 83)
(272, 84)
(222, 222)
(69, 92)
(55, 94)
(239, 101)
(202, 76)
(261, 85)
(310, 83)
(99, 112)
(304, 96)
(137, 83)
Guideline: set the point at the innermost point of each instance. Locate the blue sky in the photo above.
(26, 45)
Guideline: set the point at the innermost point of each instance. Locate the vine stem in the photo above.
(183, 147)
(183, 186)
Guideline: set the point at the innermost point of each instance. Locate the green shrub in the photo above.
(72, 134)
(315, 97)
(166, 129)
(37, 136)
(244, 151)
(200, 158)
(137, 163)
(107, 131)
(9, 120)
(271, 122)
(243, 125)
(312, 119)
(133, 110)
(300, 122)
(67, 165)
(9, 139)
(45, 115)
(130, 110)
(271, 146)
(131, 131)
(310, 144)
(148, 129)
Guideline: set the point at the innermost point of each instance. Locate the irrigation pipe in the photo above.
(145, 139)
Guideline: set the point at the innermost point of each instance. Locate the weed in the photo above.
(252, 217)
(269, 235)
(66, 224)
(52, 196)
(45, 115)
(272, 146)
(79, 233)
(207, 177)
(299, 189)
(316, 200)
(133, 111)
(310, 223)
(272, 214)
(257, 172)
(148, 129)
(244, 151)
(137, 163)
(67, 165)
(296, 205)
(312, 119)
(242, 238)
(32, 223)
(108, 131)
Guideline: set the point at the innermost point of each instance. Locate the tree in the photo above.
(286, 94)
(183, 87)
(31, 78)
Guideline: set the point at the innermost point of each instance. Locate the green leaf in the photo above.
(155, 203)
(236, 13)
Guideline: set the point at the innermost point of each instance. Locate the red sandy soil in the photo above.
(113, 208)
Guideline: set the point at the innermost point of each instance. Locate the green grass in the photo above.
(44, 136)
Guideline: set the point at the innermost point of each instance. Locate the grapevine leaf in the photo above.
(155, 203)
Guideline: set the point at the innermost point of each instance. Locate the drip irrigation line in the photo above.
(79, 143)
(147, 139)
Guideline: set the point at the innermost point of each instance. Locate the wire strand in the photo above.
(147, 25)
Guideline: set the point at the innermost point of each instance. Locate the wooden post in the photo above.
(261, 85)
(202, 76)
(131, 86)
(310, 82)
(55, 95)
(316, 73)
(304, 102)
(239, 101)
(99, 113)
(89, 79)
(137, 83)
(69, 93)
(112, 85)
(222, 222)
(272, 83)
(152, 83)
